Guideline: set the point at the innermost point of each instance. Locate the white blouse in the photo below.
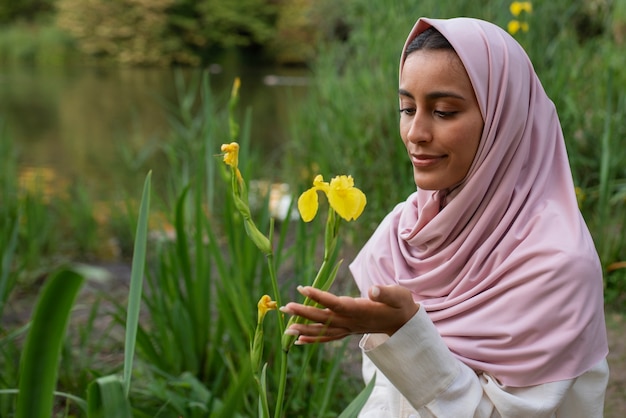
(418, 377)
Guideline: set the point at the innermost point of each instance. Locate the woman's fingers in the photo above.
(312, 340)
(393, 296)
(317, 330)
(308, 312)
(322, 297)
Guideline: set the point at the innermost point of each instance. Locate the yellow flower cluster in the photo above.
(515, 26)
(517, 8)
(343, 197)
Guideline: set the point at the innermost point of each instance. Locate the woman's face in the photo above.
(440, 121)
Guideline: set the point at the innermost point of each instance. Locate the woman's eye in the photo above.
(407, 110)
(443, 114)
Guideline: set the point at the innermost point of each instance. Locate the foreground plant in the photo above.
(240, 197)
(346, 202)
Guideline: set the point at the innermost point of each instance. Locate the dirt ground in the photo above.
(615, 404)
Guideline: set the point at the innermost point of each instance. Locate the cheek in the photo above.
(471, 145)
(403, 134)
(404, 140)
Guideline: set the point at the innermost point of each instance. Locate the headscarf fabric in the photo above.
(504, 265)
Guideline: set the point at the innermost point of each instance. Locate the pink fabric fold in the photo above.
(505, 265)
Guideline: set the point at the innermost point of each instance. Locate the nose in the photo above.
(419, 128)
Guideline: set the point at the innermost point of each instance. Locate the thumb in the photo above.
(394, 296)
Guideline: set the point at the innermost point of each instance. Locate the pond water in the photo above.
(74, 124)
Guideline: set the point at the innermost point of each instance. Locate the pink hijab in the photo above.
(507, 270)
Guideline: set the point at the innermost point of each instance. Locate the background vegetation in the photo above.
(201, 288)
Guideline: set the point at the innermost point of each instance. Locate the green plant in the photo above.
(39, 362)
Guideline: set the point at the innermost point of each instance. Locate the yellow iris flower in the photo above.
(231, 154)
(265, 304)
(515, 26)
(256, 350)
(347, 200)
(517, 7)
(240, 198)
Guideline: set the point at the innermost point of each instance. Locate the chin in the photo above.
(425, 185)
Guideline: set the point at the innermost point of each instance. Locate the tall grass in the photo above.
(203, 287)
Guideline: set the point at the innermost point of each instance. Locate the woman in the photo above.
(482, 292)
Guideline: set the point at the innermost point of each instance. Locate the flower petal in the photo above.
(345, 199)
(320, 184)
(513, 27)
(266, 304)
(308, 204)
(516, 8)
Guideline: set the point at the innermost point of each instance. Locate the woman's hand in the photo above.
(387, 309)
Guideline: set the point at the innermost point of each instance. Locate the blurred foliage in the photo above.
(35, 45)
(129, 31)
(165, 32)
(26, 10)
(162, 32)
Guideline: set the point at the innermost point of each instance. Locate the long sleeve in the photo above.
(419, 377)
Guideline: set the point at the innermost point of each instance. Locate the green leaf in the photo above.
(264, 411)
(40, 359)
(136, 283)
(357, 403)
(106, 398)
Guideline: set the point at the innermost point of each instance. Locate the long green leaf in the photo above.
(82, 404)
(357, 403)
(40, 359)
(106, 398)
(136, 283)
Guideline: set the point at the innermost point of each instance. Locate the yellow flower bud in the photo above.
(260, 240)
(231, 154)
(235, 90)
(517, 7)
(265, 304)
(513, 27)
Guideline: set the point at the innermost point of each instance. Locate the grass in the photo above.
(196, 312)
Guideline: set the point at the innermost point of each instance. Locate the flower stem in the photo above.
(282, 382)
(280, 396)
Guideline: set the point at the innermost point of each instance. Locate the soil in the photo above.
(615, 404)
(114, 282)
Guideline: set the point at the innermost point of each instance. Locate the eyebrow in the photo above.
(433, 95)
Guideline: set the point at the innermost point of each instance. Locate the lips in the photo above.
(426, 160)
